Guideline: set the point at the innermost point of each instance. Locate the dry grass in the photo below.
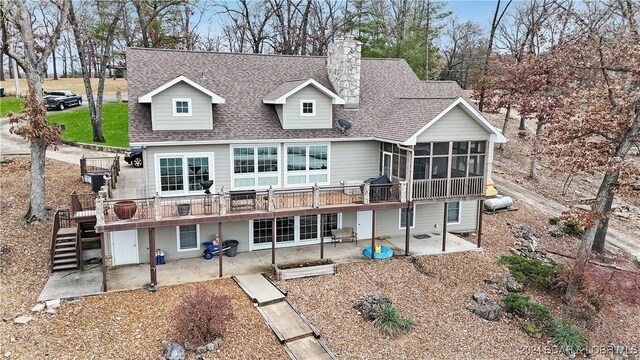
(132, 324)
(72, 84)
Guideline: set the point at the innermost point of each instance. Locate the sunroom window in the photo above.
(255, 166)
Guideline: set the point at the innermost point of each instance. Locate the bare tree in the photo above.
(35, 49)
(461, 50)
(250, 19)
(150, 15)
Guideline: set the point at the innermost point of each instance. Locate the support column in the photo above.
(321, 237)
(273, 241)
(407, 229)
(373, 233)
(220, 249)
(152, 259)
(444, 227)
(104, 263)
(480, 207)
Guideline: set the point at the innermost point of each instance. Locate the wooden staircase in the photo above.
(65, 252)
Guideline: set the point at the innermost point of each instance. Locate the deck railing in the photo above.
(448, 188)
(235, 202)
(110, 165)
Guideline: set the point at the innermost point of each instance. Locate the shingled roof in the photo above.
(394, 103)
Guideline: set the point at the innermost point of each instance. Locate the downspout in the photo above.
(409, 165)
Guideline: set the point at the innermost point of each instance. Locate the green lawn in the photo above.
(77, 124)
(10, 104)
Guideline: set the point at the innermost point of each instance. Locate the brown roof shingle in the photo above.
(394, 103)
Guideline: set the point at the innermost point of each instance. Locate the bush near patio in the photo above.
(202, 316)
(13, 105)
(529, 271)
(77, 124)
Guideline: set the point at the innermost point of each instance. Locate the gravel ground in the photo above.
(124, 325)
(434, 291)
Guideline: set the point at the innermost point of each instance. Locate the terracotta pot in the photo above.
(125, 209)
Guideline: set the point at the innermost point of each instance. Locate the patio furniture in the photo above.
(337, 235)
(242, 200)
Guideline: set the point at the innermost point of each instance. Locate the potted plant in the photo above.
(125, 209)
(183, 209)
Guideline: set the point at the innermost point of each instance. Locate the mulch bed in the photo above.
(296, 265)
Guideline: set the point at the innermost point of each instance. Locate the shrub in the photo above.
(554, 220)
(529, 270)
(202, 316)
(567, 337)
(523, 306)
(533, 329)
(573, 228)
(390, 322)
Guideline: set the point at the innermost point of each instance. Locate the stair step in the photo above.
(64, 261)
(61, 255)
(65, 243)
(91, 238)
(65, 267)
(67, 231)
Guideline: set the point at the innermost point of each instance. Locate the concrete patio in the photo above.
(129, 277)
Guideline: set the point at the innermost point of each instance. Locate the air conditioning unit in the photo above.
(352, 187)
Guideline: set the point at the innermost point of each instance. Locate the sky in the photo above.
(478, 11)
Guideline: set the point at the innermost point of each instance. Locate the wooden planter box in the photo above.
(299, 270)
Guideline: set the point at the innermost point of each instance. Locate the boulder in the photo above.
(201, 349)
(480, 298)
(37, 307)
(556, 232)
(369, 304)
(23, 320)
(489, 311)
(53, 304)
(173, 351)
(511, 284)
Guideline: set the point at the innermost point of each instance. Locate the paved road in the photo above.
(628, 243)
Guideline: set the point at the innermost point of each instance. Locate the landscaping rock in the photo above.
(9, 317)
(214, 345)
(480, 298)
(369, 304)
(511, 284)
(38, 307)
(489, 311)
(201, 349)
(173, 351)
(23, 320)
(53, 304)
(190, 347)
(556, 232)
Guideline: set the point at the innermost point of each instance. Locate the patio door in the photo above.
(293, 230)
(124, 247)
(365, 219)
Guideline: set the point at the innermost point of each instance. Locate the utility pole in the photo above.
(426, 39)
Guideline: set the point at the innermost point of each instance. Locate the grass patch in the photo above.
(566, 336)
(554, 220)
(390, 322)
(77, 123)
(572, 228)
(523, 306)
(8, 105)
(529, 270)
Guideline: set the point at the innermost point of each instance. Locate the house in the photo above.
(287, 143)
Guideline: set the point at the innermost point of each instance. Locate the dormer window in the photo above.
(181, 107)
(307, 108)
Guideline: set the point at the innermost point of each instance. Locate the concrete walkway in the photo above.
(629, 244)
(75, 283)
(299, 337)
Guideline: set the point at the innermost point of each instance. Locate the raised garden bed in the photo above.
(304, 269)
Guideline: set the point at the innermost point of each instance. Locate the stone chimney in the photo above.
(343, 67)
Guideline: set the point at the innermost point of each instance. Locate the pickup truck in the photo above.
(61, 99)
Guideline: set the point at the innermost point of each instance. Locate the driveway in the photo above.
(627, 243)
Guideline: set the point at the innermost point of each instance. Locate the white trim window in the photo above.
(307, 108)
(293, 230)
(182, 107)
(181, 174)
(453, 212)
(187, 237)
(255, 166)
(307, 164)
(402, 216)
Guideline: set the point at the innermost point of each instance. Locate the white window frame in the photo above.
(306, 172)
(413, 222)
(297, 241)
(187, 100)
(185, 173)
(313, 104)
(256, 175)
(198, 245)
(459, 212)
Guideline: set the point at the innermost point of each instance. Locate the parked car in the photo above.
(133, 156)
(60, 99)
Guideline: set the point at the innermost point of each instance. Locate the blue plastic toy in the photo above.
(385, 252)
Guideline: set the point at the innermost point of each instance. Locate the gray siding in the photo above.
(222, 165)
(162, 109)
(456, 125)
(279, 112)
(291, 110)
(354, 160)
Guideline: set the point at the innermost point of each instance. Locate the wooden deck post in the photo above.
(407, 230)
(83, 166)
(273, 241)
(444, 226)
(220, 249)
(152, 259)
(373, 233)
(104, 263)
(321, 237)
(480, 207)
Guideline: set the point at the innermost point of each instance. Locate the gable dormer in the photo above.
(181, 104)
(303, 104)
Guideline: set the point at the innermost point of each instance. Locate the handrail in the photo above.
(79, 262)
(448, 188)
(54, 235)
